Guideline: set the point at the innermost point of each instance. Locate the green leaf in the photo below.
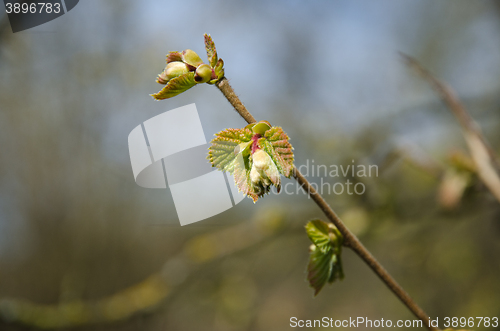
(218, 71)
(236, 151)
(222, 151)
(241, 173)
(323, 268)
(211, 51)
(320, 268)
(176, 86)
(318, 231)
(325, 264)
(281, 151)
(230, 151)
(337, 271)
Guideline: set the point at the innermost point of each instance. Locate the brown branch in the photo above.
(484, 156)
(350, 240)
(234, 100)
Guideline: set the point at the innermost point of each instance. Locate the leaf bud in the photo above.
(203, 73)
(190, 57)
(264, 171)
(172, 70)
(261, 127)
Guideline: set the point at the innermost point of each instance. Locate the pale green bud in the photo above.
(261, 160)
(172, 70)
(261, 127)
(190, 57)
(203, 73)
(264, 171)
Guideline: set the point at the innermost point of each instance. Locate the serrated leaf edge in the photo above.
(168, 88)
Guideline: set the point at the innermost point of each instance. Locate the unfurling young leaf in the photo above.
(280, 150)
(256, 162)
(191, 57)
(176, 86)
(322, 268)
(325, 264)
(218, 72)
(211, 51)
(318, 233)
(174, 57)
(226, 146)
(172, 70)
(186, 69)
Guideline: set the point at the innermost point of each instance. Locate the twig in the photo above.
(350, 240)
(484, 156)
(234, 100)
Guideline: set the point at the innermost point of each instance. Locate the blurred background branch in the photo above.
(148, 295)
(484, 157)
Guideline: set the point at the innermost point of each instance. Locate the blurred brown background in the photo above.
(76, 232)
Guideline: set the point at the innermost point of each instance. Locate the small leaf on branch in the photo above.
(252, 159)
(320, 268)
(211, 51)
(325, 264)
(318, 233)
(281, 151)
(218, 71)
(222, 151)
(176, 86)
